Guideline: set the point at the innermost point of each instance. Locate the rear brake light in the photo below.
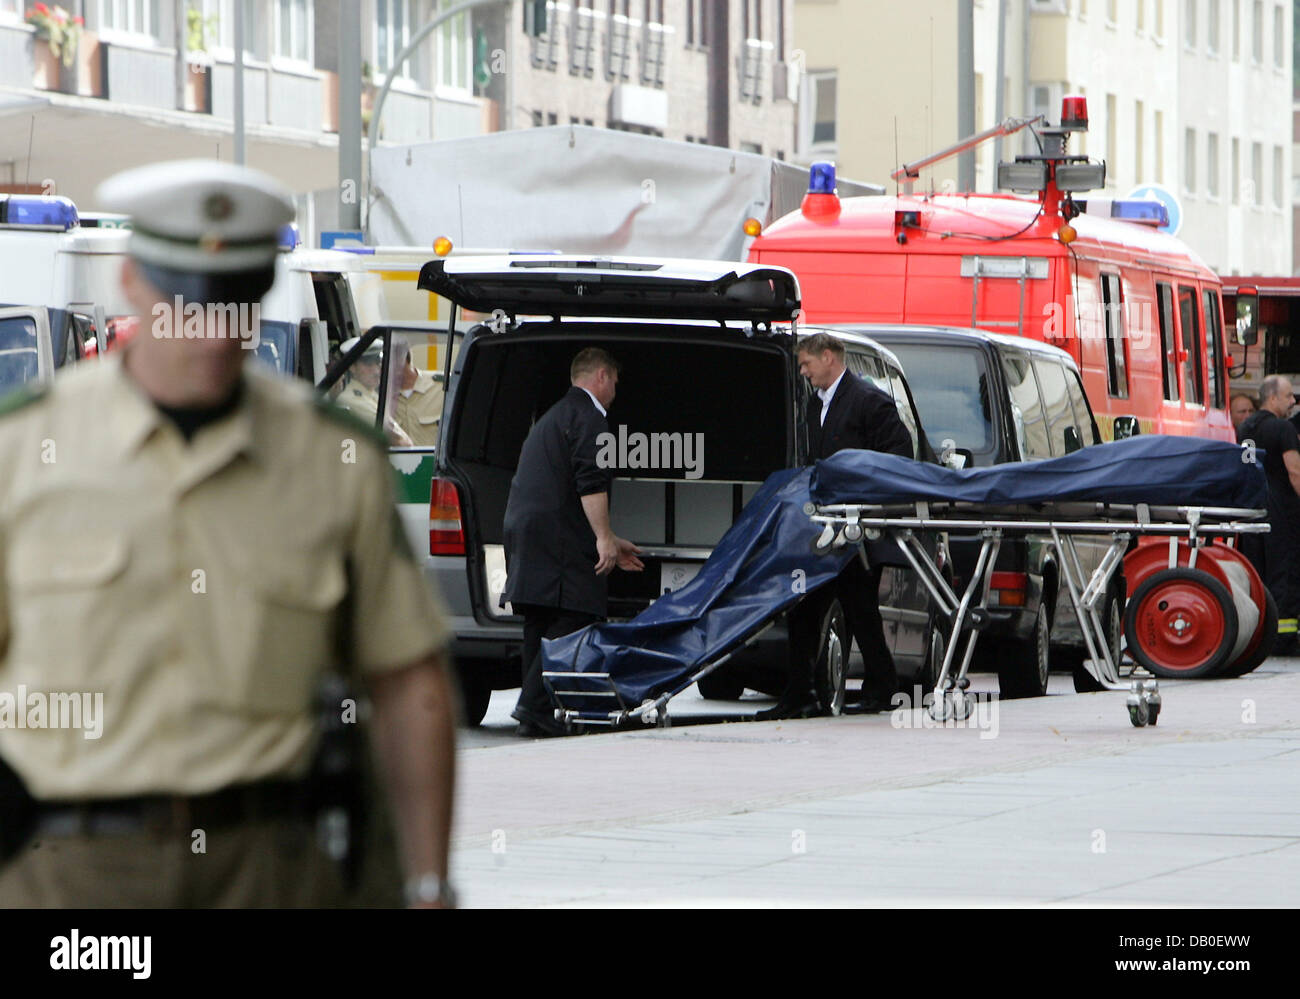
(446, 534)
(1007, 589)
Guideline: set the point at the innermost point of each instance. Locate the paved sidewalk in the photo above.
(1061, 801)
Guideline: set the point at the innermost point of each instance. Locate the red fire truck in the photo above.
(1273, 303)
(1139, 311)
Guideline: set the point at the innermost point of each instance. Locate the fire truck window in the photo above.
(1193, 336)
(1056, 402)
(1116, 363)
(1214, 347)
(1026, 406)
(1165, 313)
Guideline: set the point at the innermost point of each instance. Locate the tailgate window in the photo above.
(951, 389)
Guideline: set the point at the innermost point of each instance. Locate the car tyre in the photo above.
(1023, 667)
(720, 685)
(831, 669)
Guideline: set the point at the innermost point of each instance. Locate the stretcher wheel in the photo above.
(1139, 714)
(1263, 644)
(1181, 623)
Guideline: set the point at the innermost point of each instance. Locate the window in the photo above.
(1277, 177)
(1212, 165)
(1189, 23)
(652, 44)
(454, 51)
(1142, 15)
(1212, 16)
(820, 110)
(1236, 30)
(1189, 160)
(1193, 363)
(20, 340)
(1026, 406)
(582, 47)
(753, 50)
(1056, 402)
(1236, 171)
(1256, 192)
(294, 29)
(1112, 139)
(1160, 18)
(619, 50)
(1079, 404)
(1159, 137)
(129, 17)
(951, 389)
(898, 387)
(1112, 11)
(1214, 347)
(697, 24)
(254, 29)
(541, 25)
(10, 9)
(1165, 314)
(392, 33)
(1279, 19)
(1257, 31)
(1139, 142)
(1116, 342)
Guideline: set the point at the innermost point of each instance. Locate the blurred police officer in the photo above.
(419, 404)
(1277, 555)
(199, 542)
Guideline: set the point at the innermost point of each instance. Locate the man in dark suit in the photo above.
(558, 543)
(843, 412)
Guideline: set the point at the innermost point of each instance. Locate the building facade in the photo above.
(710, 71)
(1194, 95)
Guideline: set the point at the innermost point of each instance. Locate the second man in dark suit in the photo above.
(558, 542)
(843, 412)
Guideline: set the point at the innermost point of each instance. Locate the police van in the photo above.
(59, 286)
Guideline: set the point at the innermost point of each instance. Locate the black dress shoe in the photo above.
(804, 706)
(871, 706)
(533, 727)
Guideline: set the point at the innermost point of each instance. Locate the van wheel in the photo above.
(832, 666)
(1023, 666)
(720, 685)
(475, 693)
(1112, 622)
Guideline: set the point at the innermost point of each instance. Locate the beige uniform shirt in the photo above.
(199, 589)
(419, 412)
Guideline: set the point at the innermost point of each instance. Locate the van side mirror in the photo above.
(1073, 442)
(1247, 325)
(1126, 427)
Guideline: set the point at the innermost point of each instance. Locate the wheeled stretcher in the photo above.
(807, 524)
(968, 612)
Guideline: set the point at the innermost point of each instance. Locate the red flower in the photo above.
(42, 9)
(79, 20)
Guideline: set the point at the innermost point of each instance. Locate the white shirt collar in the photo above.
(827, 394)
(594, 401)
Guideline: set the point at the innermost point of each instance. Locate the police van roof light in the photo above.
(38, 212)
(821, 178)
(287, 237)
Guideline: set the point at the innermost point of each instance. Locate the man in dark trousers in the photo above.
(559, 545)
(1276, 555)
(843, 412)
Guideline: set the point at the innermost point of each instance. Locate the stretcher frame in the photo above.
(968, 614)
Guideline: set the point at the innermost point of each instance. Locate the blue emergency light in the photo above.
(361, 251)
(821, 178)
(37, 211)
(287, 236)
(1146, 210)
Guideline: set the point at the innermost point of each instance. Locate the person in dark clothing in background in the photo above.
(843, 412)
(558, 543)
(1276, 555)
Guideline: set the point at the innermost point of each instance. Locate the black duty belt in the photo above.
(173, 814)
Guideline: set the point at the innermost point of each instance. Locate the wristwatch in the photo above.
(429, 888)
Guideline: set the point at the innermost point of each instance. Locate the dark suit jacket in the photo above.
(550, 547)
(861, 416)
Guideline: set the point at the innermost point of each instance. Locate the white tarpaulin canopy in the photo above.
(580, 190)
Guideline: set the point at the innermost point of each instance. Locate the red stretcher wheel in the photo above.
(1181, 623)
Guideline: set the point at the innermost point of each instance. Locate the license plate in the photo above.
(675, 575)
